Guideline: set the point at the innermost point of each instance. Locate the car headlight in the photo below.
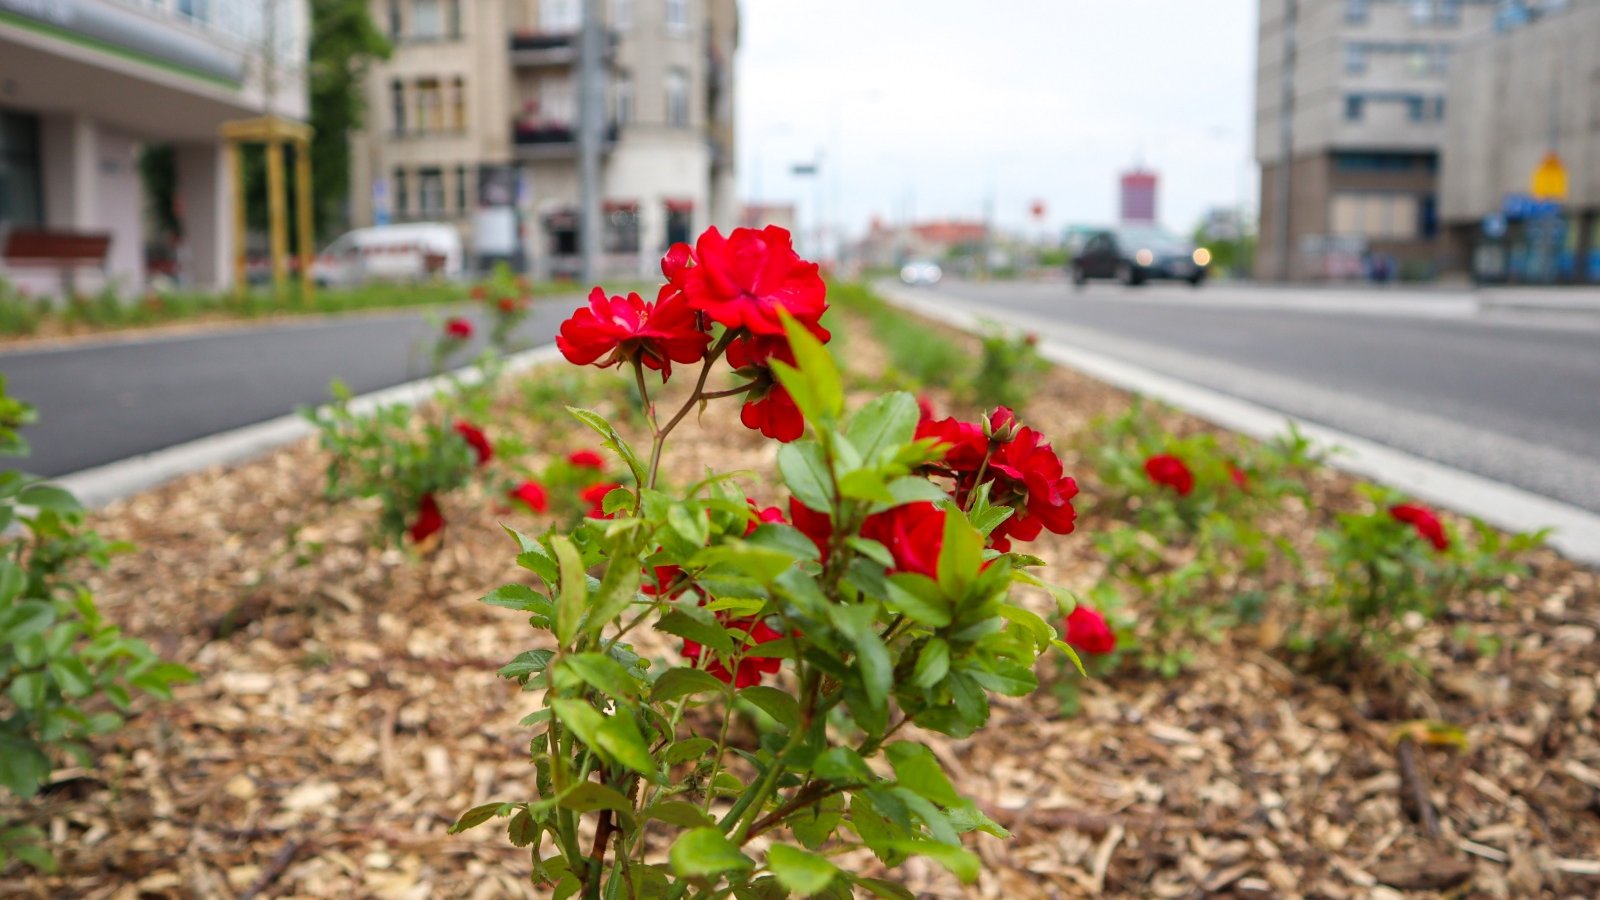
(1202, 256)
(1144, 257)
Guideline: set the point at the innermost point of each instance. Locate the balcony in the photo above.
(547, 48)
(552, 140)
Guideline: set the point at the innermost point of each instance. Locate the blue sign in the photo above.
(1522, 206)
(1494, 226)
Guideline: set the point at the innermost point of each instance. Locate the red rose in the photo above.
(1240, 479)
(479, 292)
(614, 330)
(476, 439)
(595, 496)
(458, 328)
(912, 532)
(771, 514)
(745, 279)
(924, 409)
(1424, 521)
(1088, 632)
(586, 459)
(430, 520)
(676, 263)
(533, 494)
(768, 408)
(750, 668)
(507, 305)
(1021, 468)
(1165, 469)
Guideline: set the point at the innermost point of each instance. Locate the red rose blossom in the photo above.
(1088, 631)
(595, 496)
(912, 532)
(744, 279)
(477, 440)
(1424, 521)
(1169, 471)
(479, 292)
(458, 328)
(1240, 479)
(430, 520)
(750, 668)
(1022, 469)
(586, 459)
(768, 408)
(925, 411)
(507, 305)
(614, 330)
(533, 494)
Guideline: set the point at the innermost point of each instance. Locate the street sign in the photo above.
(1549, 181)
(1494, 226)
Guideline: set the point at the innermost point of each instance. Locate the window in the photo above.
(1378, 215)
(563, 229)
(621, 229)
(1421, 12)
(430, 191)
(397, 105)
(1355, 11)
(677, 15)
(430, 105)
(1353, 105)
(677, 98)
(622, 14)
(401, 199)
(453, 10)
(557, 103)
(622, 98)
(195, 10)
(1438, 108)
(560, 16)
(462, 206)
(1416, 108)
(1441, 59)
(396, 24)
(680, 222)
(21, 172)
(1355, 58)
(426, 23)
(458, 103)
(1419, 59)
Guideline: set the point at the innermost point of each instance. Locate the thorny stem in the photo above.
(699, 394)
(602, 837)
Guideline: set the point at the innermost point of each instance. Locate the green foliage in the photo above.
(919, 356)
(345, 42)
(1008, 369)
(873, 656)
(67, 675)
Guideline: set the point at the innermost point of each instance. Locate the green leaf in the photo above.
(918, 770)
(589, 796)
(705, 852)
(23, 766)
(687, 749)
(933, 663)
(960, 557)
(883, 424)
(679, 813)
(842, 765)
(877, 668)
(799, 871)
(958, 861)
(478, 815)
(528, 662)
(918, 598)
(12, 579)
(522, 830)
(914, 489)
(618, 590)
(692, 626)
(805, 472)
(49, 496)
(612, 441)
(574, 588)
(604, 674)
(866, 484)
(886, 890)
(775, 703)
(72, 676)
(520, 597)
(683, 682)
(620, 737)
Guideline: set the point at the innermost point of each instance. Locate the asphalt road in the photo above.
(1511, 394)
(110, 399)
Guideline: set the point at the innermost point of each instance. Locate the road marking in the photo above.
(113, 481)
(1576, 532)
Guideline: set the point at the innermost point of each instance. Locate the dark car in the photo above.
(1138, 253)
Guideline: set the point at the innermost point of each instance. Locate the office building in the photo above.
(1137, 197)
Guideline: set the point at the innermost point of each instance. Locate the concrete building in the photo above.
(1136, 197)
(476, 115)
(85, 83)
(1350, 109)
(1527, 89)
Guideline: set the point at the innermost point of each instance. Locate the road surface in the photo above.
(1512, 394)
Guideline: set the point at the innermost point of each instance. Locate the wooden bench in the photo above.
(65, 251)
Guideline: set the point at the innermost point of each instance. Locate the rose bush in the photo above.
(880, 607)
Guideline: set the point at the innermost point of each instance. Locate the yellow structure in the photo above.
(275, 134)
(1549, 181)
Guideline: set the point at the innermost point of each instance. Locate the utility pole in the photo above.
(591, 133)
(1282, 183)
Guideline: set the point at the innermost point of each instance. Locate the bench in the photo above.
(65, 251)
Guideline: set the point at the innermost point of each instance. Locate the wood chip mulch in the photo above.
(348, 710)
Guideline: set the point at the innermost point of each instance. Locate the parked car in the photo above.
(1136, 254)
(410, 252)
(921, 271)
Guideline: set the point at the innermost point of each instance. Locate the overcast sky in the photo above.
(927, 107)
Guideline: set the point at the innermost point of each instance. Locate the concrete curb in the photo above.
(1576, 532)
(113, 481)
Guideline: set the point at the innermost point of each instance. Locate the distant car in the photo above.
(410, 252)
(1136, 254)
(921, 271)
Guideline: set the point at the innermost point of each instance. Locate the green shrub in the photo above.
(1008, 370)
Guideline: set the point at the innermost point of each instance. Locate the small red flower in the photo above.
(744, 279)
(1020, 466)
(614, 330)
(586, 459)
(507, 305)
(924, 409)
(912, 532)
(430, 520)
(595, 496)
(479, 292)
(1170, 471)
(476, 439)
(1240, 479)
(458, 328)
(533, 494)
(1425, 522)
(750, 669)
(1088, 631)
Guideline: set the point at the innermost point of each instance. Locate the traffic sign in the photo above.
(1549, 181)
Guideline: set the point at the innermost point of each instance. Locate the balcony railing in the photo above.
(553, 138)
(548, 48)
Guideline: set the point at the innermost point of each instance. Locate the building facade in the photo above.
(1350, 106)
(1526, 90)
(84, 84)
(1136, 197)
(473, 121)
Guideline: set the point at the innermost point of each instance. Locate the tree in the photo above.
(344, 43)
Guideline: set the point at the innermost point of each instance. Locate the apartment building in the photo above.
(1528, 89)
(1350, 106)
(85, 83)
(473, 121)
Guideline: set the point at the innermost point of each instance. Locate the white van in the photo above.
(411, 252)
